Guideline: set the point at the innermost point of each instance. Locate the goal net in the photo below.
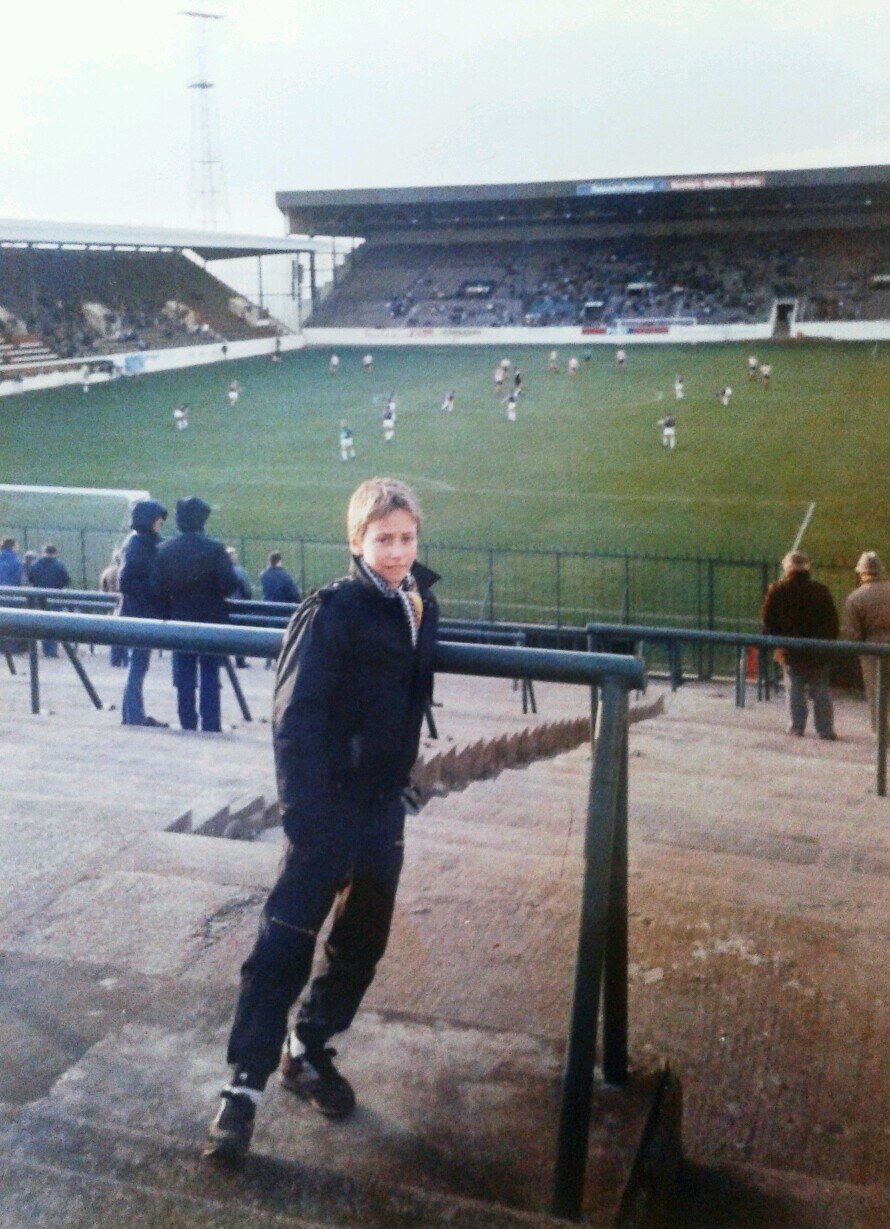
(87, 524)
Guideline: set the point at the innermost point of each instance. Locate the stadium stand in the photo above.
(712, 250)
(68, 303)
(714, 279)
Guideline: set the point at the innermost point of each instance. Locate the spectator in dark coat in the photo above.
(193, 576)
(797, 605)
(138, 601)
(244, 592)
(276, 582)
(108, 583)
(10, 564)
(10, 574)
(49, 572)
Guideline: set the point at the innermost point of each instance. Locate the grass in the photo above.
(582, 468)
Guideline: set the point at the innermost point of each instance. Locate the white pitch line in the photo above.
(803, 525)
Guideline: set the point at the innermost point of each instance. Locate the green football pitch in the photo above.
(582, 467)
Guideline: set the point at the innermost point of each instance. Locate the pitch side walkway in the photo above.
(759, 917)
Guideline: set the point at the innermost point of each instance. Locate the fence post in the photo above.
(740, 677)
(302, 567)
(709, 673)
(558, 589)
(491, 585)
(577, 1082)
(881, 715)
(698, 616)
(83, 557)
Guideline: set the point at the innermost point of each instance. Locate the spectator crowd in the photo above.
(713, 279)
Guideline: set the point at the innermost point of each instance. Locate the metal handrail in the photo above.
(601, 959)
(636, 634)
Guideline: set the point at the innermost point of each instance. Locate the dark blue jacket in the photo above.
(277, 585)
(49, 572)
(245, 588)
(192, 574)
(350, 695)
(10, 567)
(134, 580)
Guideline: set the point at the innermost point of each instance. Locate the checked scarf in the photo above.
(407, 593)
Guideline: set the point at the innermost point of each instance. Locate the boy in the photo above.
(352, 683)
(679, 392)
(448, 404)
(511, 406)
(389, 425)
(234, 392)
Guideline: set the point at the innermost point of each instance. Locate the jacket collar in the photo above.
(424, 576)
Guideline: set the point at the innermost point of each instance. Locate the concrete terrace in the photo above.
(758, 938)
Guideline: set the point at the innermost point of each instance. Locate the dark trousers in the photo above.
(190, 669)
(132, 706)
(353, 865)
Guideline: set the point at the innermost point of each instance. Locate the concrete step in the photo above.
(755, 1197)
(427, 1145)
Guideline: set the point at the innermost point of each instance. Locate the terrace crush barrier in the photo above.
(601, 963)
(622, 638)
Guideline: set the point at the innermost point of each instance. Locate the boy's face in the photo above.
(389, 545)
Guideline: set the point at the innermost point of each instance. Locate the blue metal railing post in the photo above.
(71, 654)
(34, 671)
(615, 988)
(236, 687)
(594, 694)
(577, 1082)
(740, 666)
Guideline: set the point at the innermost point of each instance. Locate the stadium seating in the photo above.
(714, 279)
(71, 303)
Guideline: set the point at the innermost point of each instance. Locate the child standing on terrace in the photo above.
(354, 676)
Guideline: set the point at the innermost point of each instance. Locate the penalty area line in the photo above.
(803, 525)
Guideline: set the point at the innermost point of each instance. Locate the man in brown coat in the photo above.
(797, 605)
(867, 617)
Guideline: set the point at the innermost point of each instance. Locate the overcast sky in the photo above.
(95, 116)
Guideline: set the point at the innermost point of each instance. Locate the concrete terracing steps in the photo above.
(757, 969)
(454, 1128)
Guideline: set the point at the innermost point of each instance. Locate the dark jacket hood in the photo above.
(191, 514)
(144, 514)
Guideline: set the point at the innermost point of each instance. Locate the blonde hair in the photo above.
(376, 498)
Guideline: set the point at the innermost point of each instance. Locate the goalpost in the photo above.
(87, 524)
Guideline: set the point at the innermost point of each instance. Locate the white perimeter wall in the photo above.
(853, 330)
(143, 362)
(563, 336)
(845, 330)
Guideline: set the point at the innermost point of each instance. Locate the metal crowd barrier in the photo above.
(601, 959)
(633, 638)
